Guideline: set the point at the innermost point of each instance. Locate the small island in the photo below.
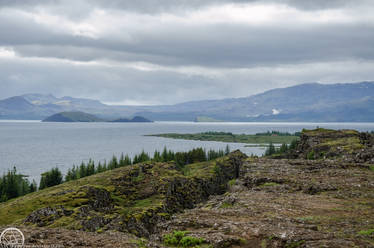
(73, 117)
(275, 137)
(135, 119)
(77, 116)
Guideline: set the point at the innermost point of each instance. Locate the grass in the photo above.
(226, 205)
(148, 202)
(234, 138)
(366, 232)
(131, 188)
(232, 182)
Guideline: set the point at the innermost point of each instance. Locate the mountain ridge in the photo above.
(323, 102)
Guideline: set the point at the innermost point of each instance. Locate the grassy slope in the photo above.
(136, 191)
(236, 138)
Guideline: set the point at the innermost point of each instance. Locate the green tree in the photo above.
(227, 150)
(270, 150)
(283, 148)
(50, 178)
(157, 156)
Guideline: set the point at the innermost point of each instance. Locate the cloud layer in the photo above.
(164, 52)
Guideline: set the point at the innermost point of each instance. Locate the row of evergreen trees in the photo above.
(278, 133)
(284, 148)
(13, 184)
(181, 159)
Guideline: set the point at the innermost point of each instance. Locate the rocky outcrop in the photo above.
(46, 216)
(348, 145)
(141, 196)
(285, 203)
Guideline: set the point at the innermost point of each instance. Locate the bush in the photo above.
(179, 239)
(190, 241)
(310, 155)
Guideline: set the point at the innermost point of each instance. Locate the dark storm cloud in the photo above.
(167, 51)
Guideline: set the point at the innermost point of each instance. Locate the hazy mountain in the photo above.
(305, 102)
(309, 102)
(66, 101)
(39, 106)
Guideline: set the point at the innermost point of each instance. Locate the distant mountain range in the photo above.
(305, 102)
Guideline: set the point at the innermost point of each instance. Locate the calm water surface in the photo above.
(34, 147)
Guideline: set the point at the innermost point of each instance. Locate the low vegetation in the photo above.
(181, 239)
(13, 184)
(129, 199)
(275, 137)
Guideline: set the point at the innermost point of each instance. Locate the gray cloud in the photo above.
(172, 51)
(151, 6)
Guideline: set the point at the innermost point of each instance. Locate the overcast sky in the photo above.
(171, 51)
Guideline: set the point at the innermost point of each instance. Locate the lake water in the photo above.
(34, 147)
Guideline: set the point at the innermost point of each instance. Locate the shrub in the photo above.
(190, 241)
(310, 155)
(179, 239)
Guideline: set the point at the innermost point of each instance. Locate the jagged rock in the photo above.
(47, 215)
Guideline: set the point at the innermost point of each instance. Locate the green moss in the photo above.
(348, 144)
(263, 243)
(232, 182)
(295, 244)
(148, 202)
(371, 167)
(366, 232)
(317, 131)
(226, 205)
(269, 184)
(310, 155)
(142, 243)
(138, 178)
(63, 222)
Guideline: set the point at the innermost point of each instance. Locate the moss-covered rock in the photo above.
(349, 145)
(129, 199)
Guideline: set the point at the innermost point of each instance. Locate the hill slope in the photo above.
(128, 199)
(305, 102)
